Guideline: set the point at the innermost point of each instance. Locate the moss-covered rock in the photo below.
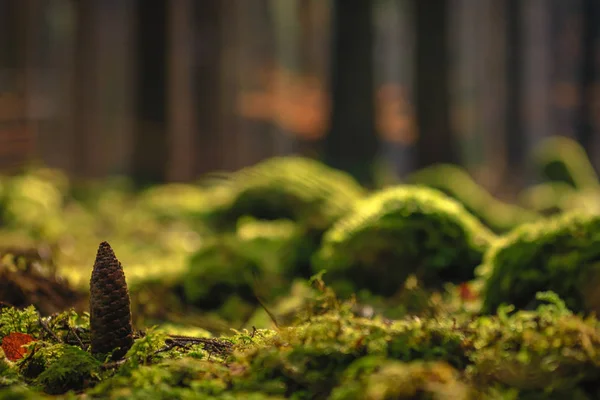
(559, 254)
(296, 188)
(562, 159)
(401, 231)
(259, 258)
(547, 198)
(458, 184)
(217, 271)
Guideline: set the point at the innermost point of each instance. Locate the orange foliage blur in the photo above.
(301, 105)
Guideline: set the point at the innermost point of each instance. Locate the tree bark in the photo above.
(435, 143)
(150, 136)
(514, 89)
(589, 72)
(352, 144)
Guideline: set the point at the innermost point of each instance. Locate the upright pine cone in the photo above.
(110, 310)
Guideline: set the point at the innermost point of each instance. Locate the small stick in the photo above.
(113, 364)
(49, 331)
(77, 337)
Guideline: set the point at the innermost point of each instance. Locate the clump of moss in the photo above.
(33, 202)
(217, 271)
(310, 357)
(9, 377)
(173, 200)
(559, 254)
(184, 378)
(296, 188)
(555, 197)
(456, 183)
(562, 159)
(549, 348)
(58, 368)
(548, 198)
(21, 393)
(401, 231)
(257, 259)
(19, 320)
(377, 378)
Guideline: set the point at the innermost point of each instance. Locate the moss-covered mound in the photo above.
(564, 160)
(296, 188)
(548, 198)
(401, 231)
(552, 198)
(561, 254)
(258, 259)
(32, 203)
(456, 183)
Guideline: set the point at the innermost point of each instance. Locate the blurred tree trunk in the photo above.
(589, 72)
(15, 60)
(150, 137)
(514, 90)
(313, 59)
(181, 104)
(352, 144)
(208, 29)
(435, 143)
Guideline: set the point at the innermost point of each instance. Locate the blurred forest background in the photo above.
(169, 90)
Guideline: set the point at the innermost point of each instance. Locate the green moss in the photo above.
(20, 393)
(296, 188)
(559, 254)
(549, 348)
(260, 256)
(184, 378)
(564, 160)
(402, 231)
(548, 198)
(174, 200)
(9, 375)
(143, 348)
(16, 320)
(59, 368)
(379, 379)
(33, 203)
(456, 183)
(218, 270)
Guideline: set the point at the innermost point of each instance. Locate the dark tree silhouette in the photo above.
(208, 24)
(514, 89)
(589, 71)
(351, 143)
(435, 143)
(150, 137)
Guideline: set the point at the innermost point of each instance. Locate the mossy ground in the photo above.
(329, 352)
(226, 307)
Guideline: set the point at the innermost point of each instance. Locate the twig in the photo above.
(210, 344)
(260, 302)
(71, 330)
(49, 331)
(113, 364)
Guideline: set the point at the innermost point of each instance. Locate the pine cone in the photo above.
(110, 310)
